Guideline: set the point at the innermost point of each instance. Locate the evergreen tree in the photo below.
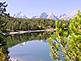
(3, 6)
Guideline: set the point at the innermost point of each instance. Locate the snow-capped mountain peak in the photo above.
(52, 16)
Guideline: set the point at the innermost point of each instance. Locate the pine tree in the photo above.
(3, 6)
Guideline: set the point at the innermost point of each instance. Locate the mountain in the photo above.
(35, 17)
(43, 15)
(64, 17)
(52, 16)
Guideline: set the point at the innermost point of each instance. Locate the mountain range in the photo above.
(46, 16)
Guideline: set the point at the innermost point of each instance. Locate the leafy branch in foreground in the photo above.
(67, 39)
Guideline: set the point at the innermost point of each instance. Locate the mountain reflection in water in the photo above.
(34, 50)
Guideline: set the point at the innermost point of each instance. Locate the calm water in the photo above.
(34, 50)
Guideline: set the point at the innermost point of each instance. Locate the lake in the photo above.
(34, 50)
(28, 47)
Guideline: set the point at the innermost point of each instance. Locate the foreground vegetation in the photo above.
(67, 39)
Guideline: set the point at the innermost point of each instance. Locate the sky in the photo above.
(36, 7)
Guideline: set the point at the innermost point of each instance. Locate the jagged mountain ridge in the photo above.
(47, 16)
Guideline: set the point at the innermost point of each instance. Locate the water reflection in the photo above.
(34, 50)
(25, 49)
(13, 40)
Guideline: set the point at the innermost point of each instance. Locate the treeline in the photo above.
(19, 24)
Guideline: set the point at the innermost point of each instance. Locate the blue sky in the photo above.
(36, 7)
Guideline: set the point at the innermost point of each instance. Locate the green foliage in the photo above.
(69, 37)
(3, 49)
(19, 24)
